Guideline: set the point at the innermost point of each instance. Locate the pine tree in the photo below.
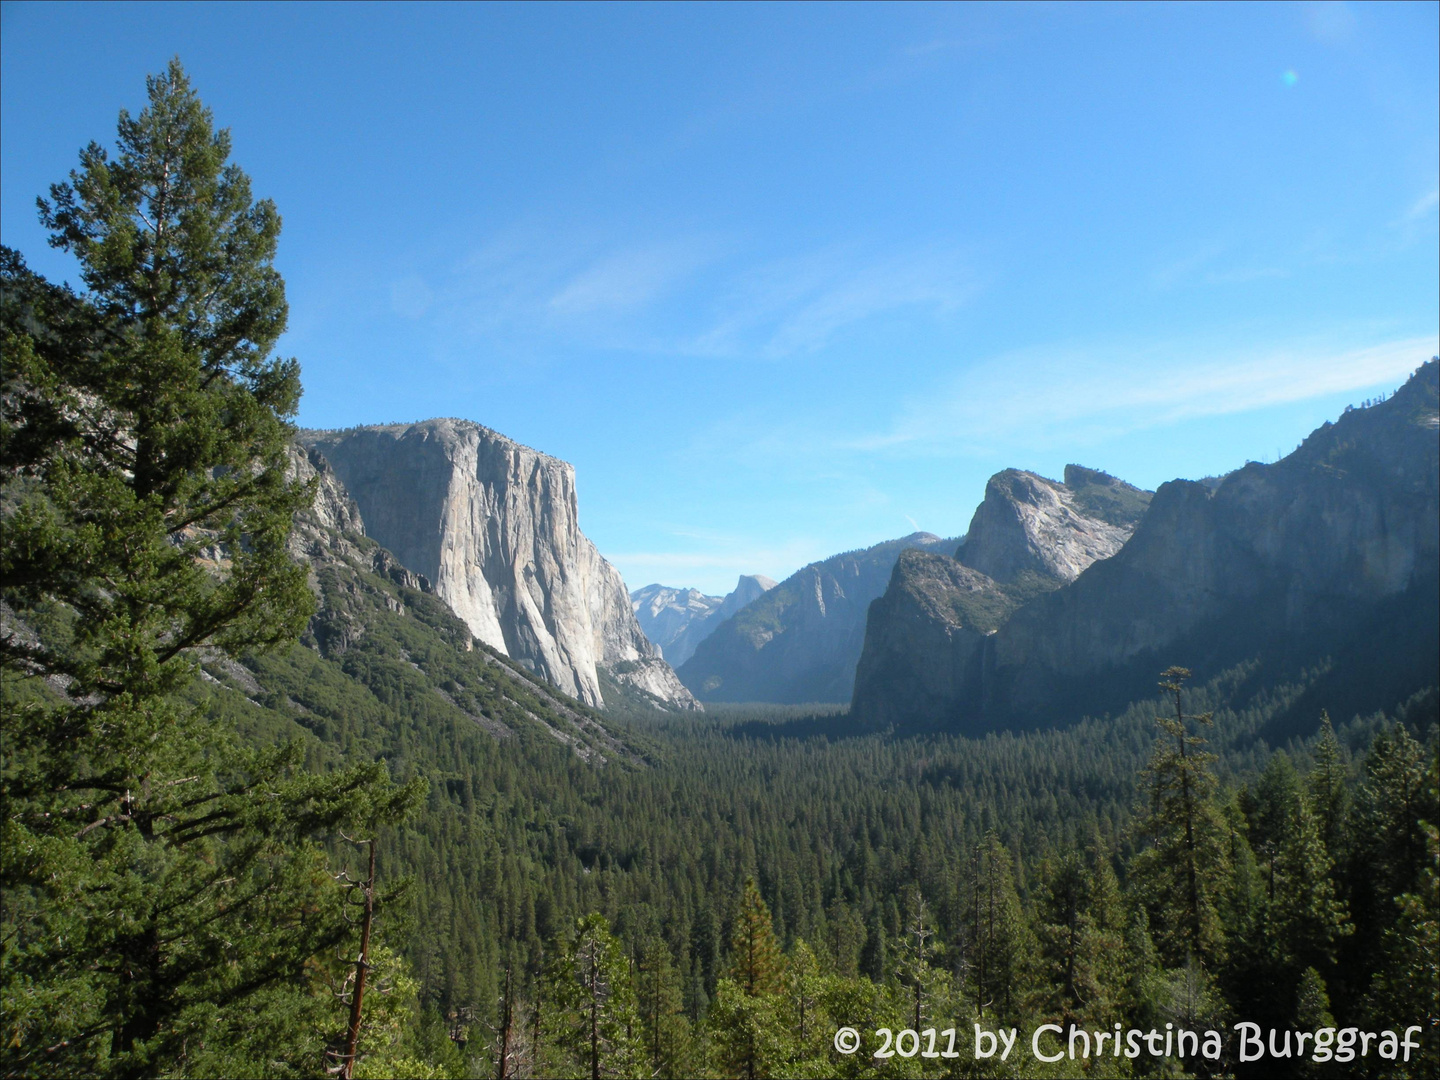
(1190, 999)
(1145, 994)
(661, 1005)
(1078, 923)
(1184, 869)
(755, 959)
(1312, 1003)
(917, 975)
(1000, 945)
(162, 894)
(590, 1018)
(1406, 987)
(804, 1014)
(1305, 918)
(1389, 808)
(1272, 812)
(1387, 855)
(705, 948)
(1312, 1012)
(1329, 794)
(744, 1018)
(875, 952)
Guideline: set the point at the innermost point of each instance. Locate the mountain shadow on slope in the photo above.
(799, 641)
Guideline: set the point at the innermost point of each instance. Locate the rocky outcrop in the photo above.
(363, 595)
(799, 642)
(333, 511)
(748, 588)
(1320, 570)
(1028, 525)
(1029, 536)
(654, 681)
(494, 525)
(677, 620)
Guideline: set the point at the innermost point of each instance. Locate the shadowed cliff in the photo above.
(1319, 569)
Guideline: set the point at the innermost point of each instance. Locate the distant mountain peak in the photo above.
(676, 620)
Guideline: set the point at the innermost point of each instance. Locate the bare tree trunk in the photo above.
(503, 1071)
(362, 965)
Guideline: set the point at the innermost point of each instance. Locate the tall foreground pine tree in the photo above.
(1183, 870)
(163, 898)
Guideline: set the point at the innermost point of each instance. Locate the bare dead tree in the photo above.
(344, 1066)
(507, 1012)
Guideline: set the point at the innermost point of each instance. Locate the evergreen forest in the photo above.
(270, 810)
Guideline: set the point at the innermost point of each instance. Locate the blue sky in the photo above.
(782, 281)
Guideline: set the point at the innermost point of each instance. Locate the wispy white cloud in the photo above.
(1242, 275)
(1179, 269)
(1423, 206)
(797, 305)
(1206, 265)
(629, 279)
(1076, 396)
(696, 295)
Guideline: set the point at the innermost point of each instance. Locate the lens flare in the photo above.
(1290, 78)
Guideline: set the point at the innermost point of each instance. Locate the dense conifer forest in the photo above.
(203, 747)
(1046, 871)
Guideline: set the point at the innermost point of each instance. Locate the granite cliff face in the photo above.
(923, 638)
(1030, 535)
(677, 620)
(1028, 525)
(1320, 570)
(494, 525)
(799, 641)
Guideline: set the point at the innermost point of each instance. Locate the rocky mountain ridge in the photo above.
(494, 525)
(1320, 569)
(677, 620)
(384, 657)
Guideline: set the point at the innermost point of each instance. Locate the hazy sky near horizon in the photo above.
(787, 280)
